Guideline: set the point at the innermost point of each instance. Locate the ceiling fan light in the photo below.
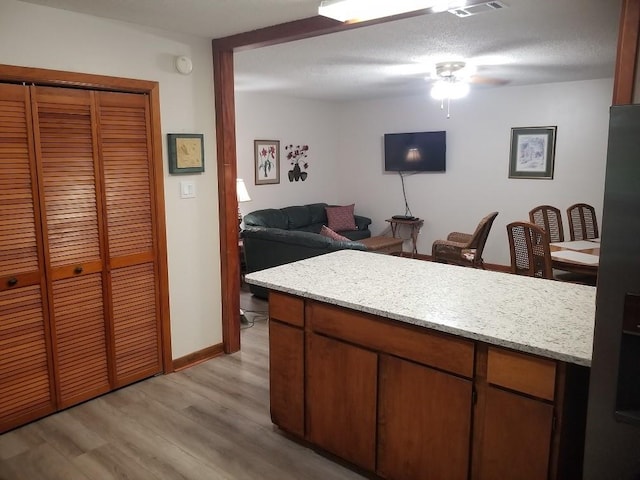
(446, 89)
(458, 90)
(440, 90)
(362, 10)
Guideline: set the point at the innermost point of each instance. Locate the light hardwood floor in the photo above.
(210, 421)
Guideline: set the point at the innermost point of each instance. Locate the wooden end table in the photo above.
(414, 225)
(381, 244)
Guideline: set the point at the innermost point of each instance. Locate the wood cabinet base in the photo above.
(407, 403)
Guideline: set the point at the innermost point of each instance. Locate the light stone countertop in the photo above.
(544, 317)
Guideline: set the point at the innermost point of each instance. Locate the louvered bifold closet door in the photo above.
(65, 137)
(125, 146)
(26, 379)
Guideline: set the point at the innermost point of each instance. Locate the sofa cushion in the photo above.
(327, 232)
(318, 213)
(341, 218)
(297, 216)
(269, 218)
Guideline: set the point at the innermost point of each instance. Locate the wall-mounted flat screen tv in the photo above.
(415, 152)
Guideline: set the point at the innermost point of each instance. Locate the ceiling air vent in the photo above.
(463, 12)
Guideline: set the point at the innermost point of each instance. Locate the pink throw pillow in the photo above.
(327, 232)
(341, 218)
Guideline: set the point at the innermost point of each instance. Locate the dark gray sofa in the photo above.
(277, 236)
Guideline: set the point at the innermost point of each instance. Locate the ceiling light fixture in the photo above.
(449, 86)
(353, 11)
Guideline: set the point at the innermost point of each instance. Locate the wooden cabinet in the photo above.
(342, 381)
(419, 407)
(286, 362)
(515, 415)
(528, 420)
(79, 292)
(516, 437)
(407, 403)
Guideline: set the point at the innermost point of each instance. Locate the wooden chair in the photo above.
(529, 248)
(582, 222)
(463, 248)
(549, 218)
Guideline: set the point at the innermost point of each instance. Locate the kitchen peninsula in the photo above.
(412, 369)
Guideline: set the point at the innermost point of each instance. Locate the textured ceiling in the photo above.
(531, 41)
(204, 18)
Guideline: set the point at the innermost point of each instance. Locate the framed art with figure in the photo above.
(532, 152)
(267, 161)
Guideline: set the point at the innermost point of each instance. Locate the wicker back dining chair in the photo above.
(463, 248)
(529, 248)
(549, 218)
(582, 222)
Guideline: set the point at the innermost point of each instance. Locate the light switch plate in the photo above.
(187, 189)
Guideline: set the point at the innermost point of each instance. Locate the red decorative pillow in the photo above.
(341, 218)
(327, 232)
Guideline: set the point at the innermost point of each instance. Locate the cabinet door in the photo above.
(26, 376)
(516, 436)
(125, 149)
(286, 376)
(424, 422)
(341, 406)
(65, 137)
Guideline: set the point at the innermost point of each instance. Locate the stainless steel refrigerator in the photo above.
(612, 448)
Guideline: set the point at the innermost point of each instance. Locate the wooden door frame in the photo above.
(59, 78)
(222, 51)
(224, 101)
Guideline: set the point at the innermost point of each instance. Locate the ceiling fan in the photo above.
(453, 79)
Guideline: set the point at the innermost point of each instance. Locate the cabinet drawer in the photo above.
(438, 350)
(286, 308)
(521, 372)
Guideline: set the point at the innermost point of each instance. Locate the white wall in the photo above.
(478, 140)
(291, 121)
(36, 36)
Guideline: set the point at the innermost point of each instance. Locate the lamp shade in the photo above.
(241, 191)
(413, 155)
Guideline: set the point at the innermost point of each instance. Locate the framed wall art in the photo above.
(532, 152)
(267, 161)
(186, 152)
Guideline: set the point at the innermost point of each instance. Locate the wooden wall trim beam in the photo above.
(304, 28)
(223, 84)
(282, 33)
(627, 55)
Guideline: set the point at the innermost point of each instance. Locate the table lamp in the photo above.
(242, 195)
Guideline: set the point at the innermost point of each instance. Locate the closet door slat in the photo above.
(125, 152)
(18, 239)
(70, 187)
(81, 338)
(26, 374)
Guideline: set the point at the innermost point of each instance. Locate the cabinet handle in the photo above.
(78, 269)
(12, 282)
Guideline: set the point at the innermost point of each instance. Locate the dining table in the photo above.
(577, 256)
